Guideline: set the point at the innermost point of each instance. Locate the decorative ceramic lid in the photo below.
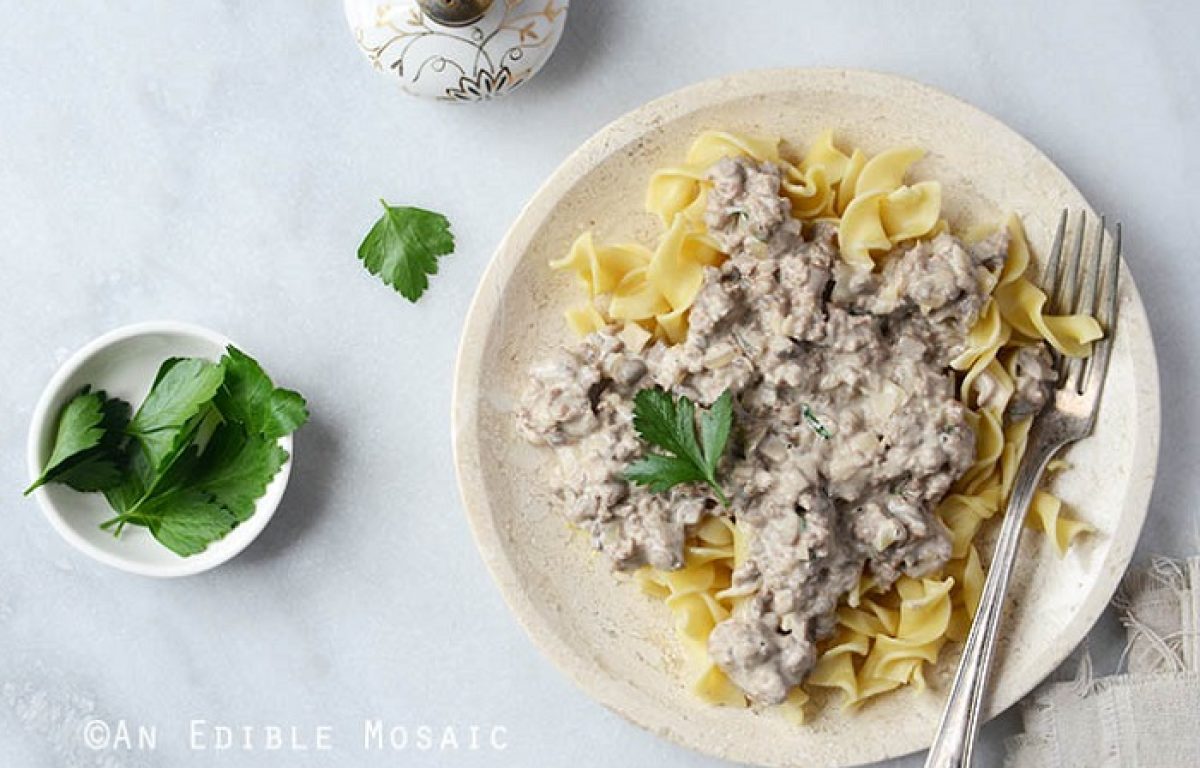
(457, 50)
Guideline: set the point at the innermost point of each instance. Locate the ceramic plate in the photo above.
(617, 644)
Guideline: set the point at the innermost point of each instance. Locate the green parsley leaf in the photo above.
(670, 425)
(125, 495)
(232, 473)
(86, 451)
(236, 467)
(80, 427)
(186, 521)
(715, 426)
(661, 473)
(175, 408)
(403, 247)
(249, 397)
(658, 421)
(96, 470)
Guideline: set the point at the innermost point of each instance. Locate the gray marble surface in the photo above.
(218, 162)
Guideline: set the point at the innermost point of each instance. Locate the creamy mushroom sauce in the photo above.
(809, 347)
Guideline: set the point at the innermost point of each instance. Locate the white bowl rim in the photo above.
(477, 508)
(210, 558)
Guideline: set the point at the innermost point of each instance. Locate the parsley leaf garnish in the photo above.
(236, 467)
(403, 247)
(186, 522)
(87, 442)
(209, 492)
(171, 413)
(670, 425)
(247, 395)
(196, 456)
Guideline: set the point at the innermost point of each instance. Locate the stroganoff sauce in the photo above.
(847, 430)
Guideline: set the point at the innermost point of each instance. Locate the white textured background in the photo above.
(218, 162)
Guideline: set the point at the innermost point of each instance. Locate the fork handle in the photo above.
(960, 720)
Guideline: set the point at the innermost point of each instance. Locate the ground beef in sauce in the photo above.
(796, 335)
(1033, 373)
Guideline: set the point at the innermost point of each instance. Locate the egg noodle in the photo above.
(884, 637)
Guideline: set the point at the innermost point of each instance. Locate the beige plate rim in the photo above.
(613, 693)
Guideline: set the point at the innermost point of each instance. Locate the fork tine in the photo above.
(1064, 298)
(1089, 294)
(1097, 364)
(1108, 316)
(1050, 277)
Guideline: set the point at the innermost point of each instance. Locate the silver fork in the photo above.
(1070, 416)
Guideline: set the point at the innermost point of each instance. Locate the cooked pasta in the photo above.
(884, 638)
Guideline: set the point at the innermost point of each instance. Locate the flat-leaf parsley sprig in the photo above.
(87, 443)
(670, 425)
(404, 246)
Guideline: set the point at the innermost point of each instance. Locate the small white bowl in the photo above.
(123, 363)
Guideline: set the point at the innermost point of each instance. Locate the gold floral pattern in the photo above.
(476, 62)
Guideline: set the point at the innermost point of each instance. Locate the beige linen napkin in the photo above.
(1148, 716)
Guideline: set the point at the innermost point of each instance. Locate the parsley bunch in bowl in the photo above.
(192, 461)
